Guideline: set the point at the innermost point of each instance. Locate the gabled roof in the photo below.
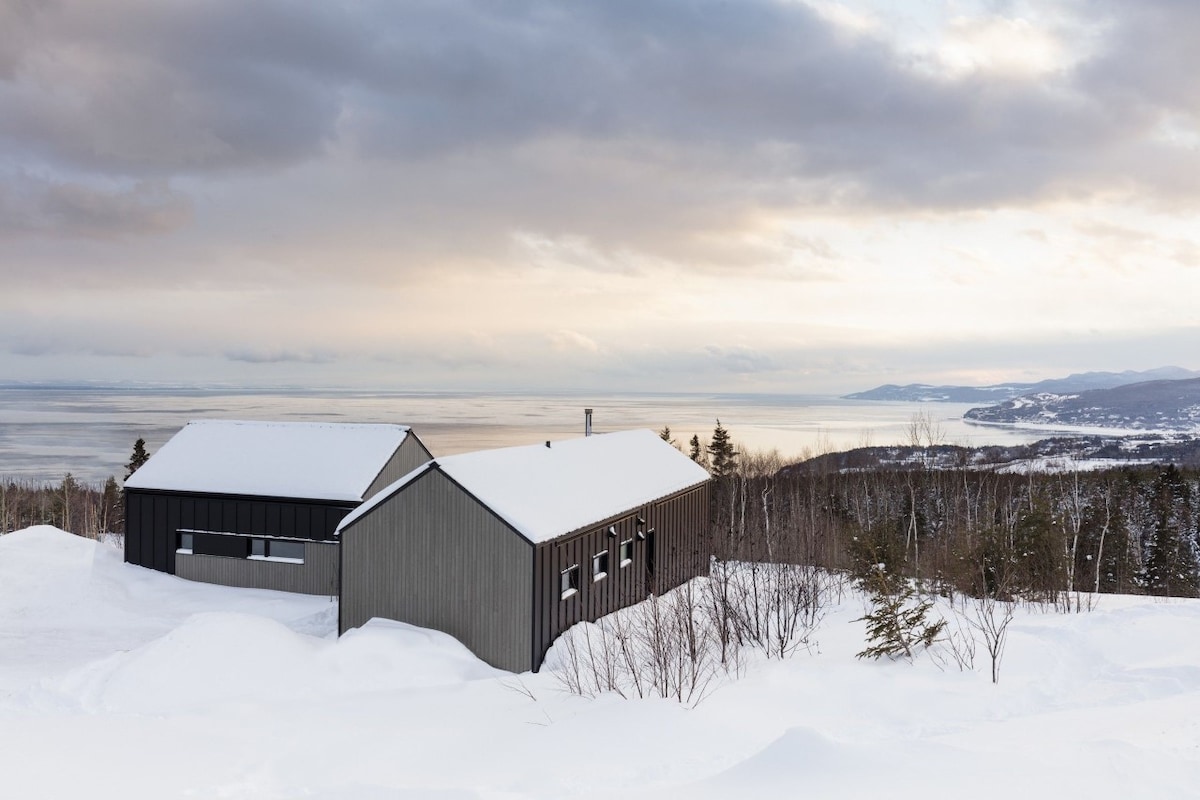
(545, 492)
(303, 460)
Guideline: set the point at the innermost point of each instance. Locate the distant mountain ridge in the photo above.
(1164, 405)
(1001, 392)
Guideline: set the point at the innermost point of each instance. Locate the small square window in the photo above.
(258, 548)
(568, 581)
(626, 553)
(600, 565)
(186, 543)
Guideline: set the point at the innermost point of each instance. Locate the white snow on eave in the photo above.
(546, 492)
(309, 460)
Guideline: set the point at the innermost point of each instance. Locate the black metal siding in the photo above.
(133, 527)
(676, 525)
(682, 524)
(432, 555)
(153, 520)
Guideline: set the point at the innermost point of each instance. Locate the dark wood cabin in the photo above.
(506, 549)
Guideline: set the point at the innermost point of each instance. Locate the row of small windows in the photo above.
(277, 550)
(190, 542)
(569, 577)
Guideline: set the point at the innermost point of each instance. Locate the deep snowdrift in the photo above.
(116, 681)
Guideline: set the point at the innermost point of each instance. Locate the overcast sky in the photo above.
(753, 195)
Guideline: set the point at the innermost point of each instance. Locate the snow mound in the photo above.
(66, 601)
(226, 657)
(825, 767)
(43, 567)
(211, 658)
(385, 654)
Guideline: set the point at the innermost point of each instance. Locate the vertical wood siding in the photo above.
(408, 456)
(432, 555)
(317, 575)
(679, 524)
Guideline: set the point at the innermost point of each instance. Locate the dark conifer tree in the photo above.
(898, 623)
(721, 452)
(1173, 560)
(665, 435)
(139, 457)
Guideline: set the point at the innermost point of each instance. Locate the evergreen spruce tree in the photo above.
(721, 452)
(139, 457)
(695, 451)
(897, 623)
(1173, 559)
(665, 435)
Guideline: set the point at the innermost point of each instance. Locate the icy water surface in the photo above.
(89, 432)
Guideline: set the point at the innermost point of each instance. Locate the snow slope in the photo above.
(120, 682)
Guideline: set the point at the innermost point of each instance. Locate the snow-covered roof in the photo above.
(311, 460)
(545, 492)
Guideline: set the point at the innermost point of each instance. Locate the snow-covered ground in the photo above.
(1059, 464)
(120, 682)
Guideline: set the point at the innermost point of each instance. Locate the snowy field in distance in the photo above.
(120, 682)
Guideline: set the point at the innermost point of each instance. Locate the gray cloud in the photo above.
(31, 205)
(742, 91)
(1149, 59)
(258, 143)
(145, 89)
(41, 343)
(258, 355)
(740, 360)
(15, 17)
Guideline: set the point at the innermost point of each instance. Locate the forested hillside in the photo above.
(1154, 405)
(1129, 530)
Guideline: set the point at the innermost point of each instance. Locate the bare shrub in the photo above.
(959, 642)
(676, 646)
(991, 617)
(1075, 602)
(774, 607)
(662, 647)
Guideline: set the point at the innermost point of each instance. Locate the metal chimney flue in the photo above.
(587, 422)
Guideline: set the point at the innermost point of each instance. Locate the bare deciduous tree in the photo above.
(991, 616)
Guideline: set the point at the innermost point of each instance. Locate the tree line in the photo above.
(1132, 530)
(85, 509)
(1037, 536)
(88, 510)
